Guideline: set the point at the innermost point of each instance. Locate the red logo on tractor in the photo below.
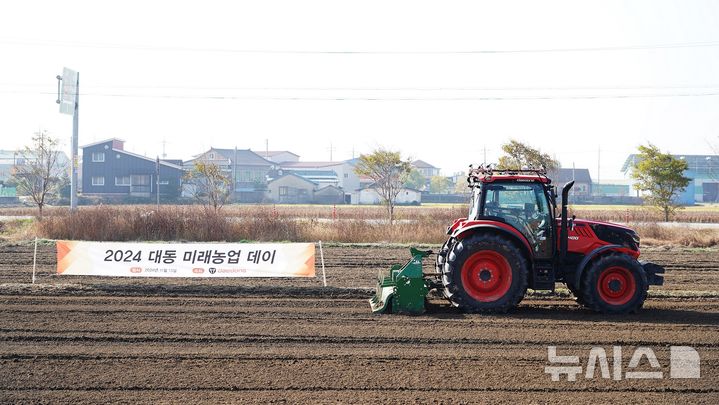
(135, 269)
(198, 270)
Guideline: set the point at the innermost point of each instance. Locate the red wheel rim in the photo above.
(616, 285)
(486, 276)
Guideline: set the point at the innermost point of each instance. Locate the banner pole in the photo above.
(322, 258)
(34, 261)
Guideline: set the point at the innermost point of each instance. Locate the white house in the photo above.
(320, 172)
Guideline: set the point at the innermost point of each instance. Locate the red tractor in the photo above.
(513, 240)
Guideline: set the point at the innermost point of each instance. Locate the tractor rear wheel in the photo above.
(440, 261)
(485, 273)
(615, 284)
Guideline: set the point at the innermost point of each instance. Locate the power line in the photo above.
(41, 42)
(424, 89)
(351, 98)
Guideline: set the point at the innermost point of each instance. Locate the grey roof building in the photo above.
(582, 180)
(248, 170)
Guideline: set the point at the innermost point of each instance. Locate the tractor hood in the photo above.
(612, 233)
(590, 223)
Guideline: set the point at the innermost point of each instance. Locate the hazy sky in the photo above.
(439, 80)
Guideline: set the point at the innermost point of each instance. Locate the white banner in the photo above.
(120, 259)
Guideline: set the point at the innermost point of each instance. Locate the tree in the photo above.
(461, 186)
(518, 155)
(439, 185)
(209, 185)
(388, 171)
(415, 180)
(661, 176)
(40, 172)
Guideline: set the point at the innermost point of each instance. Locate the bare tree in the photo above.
(39, 172)
(388, 171)
(209, 185)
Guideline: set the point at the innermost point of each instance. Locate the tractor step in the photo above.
(404, 289)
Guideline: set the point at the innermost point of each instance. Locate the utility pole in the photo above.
(331, 149)
(234, 174)
(573, 188)
(68, 96)
(485, 155)
(75, 125)
(267, 149)
(157, 180)
(164, 155)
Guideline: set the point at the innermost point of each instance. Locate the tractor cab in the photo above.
(526, 205)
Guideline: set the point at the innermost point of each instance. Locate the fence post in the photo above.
(34, 261)
(322, 258)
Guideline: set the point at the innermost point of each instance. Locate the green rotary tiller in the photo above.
(405, 289)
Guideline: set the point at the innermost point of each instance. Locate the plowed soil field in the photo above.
(102, 340)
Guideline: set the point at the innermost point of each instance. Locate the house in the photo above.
(703, 170)
(321, 177)
(581, 177)
(10, 158)
(329, 195)
(343, 175)
(248, 170)
(426, 169)
(109, 170)
(279, 156)
(291, 189)
(406, 196)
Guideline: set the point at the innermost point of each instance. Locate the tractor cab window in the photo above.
(525, 207)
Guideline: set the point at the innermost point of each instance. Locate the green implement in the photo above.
(405, 289)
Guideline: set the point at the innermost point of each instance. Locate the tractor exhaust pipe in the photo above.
(563, 233)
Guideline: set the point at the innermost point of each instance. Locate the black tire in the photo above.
(485, 259)
(440, 261)
(614, 284)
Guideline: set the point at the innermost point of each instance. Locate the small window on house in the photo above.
(98, 181)
(283, 190)
(211, 155)
(98, 156)
(347, 175)
(122, 181)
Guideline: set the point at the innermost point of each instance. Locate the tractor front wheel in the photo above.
(485, 273)
(614, 284)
